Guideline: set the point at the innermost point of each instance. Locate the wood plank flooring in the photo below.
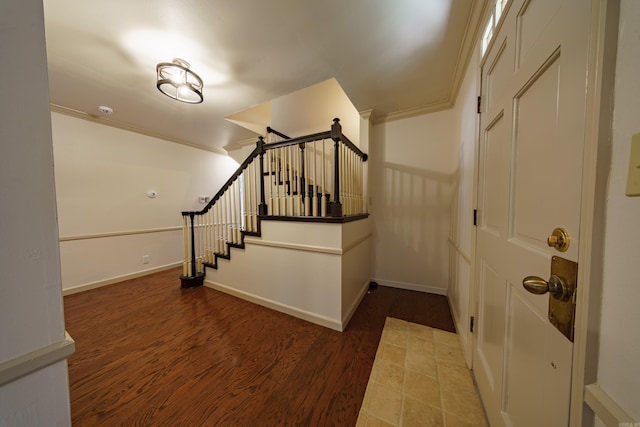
(151, 354)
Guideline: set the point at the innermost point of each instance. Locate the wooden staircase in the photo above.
(313, 178)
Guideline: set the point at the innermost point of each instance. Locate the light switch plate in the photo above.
(633, 180)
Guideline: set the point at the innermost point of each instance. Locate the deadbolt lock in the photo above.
(559, 239)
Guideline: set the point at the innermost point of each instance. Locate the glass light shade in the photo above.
(177, 81)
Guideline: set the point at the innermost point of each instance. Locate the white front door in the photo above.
(530, 170)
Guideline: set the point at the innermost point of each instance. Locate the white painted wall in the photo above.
(92, 263)
(309, 110)
(31, 314)
(103, 175)
(411, 185)
(313, 109)
(463, 202)
(619, 355)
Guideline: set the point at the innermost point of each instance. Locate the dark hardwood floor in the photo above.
(151, 354)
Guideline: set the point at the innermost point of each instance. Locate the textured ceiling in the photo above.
(395, 57)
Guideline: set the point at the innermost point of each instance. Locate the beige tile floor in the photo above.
(419, 378)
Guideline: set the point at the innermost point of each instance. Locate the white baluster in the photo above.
(351, 179)
(241, 215)
(214, 241)
(228, 220)
(290, 208)
(361, 185)
(286, 181)
(307, 168)
(276, 181)
(300, 180)
(268, 156)
(324, 186)
(242, 199)
(221, 223)
(207, 236)
(248, 196)
(185, 240)
(233, 205)
(343, 176)
(218, 207)
(199, 243)
(255, 185)
(238, 212)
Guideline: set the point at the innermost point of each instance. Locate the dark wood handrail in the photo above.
(299, 140)
(318, 137)
(335, 133)
(256, 151)
(346, 141)
(227, 184)
(275, 132)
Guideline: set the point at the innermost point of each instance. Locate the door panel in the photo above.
(490, 337)
(538, 358)
(496, 178)
(532, 19)
(535, 141)
(526, 337)
(498, 74)
(530, 168)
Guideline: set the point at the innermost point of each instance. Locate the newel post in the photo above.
(335, 208)
(192, 279)
(262, 208)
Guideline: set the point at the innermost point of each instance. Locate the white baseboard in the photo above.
(327, 322)
(100, 283)
(411, 287)
(464, 339)
(454, 315)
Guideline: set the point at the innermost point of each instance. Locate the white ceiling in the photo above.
(396, 57)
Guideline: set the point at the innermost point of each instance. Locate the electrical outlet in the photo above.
(145, 259)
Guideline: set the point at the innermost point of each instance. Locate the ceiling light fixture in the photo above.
(177, 81)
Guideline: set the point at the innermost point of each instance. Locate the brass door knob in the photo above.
(559, 239)
(556, 286)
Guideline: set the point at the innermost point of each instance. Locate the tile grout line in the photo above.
(404, 379)
(448, 356)
(435, 349)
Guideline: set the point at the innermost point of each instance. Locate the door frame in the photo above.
(602, 41)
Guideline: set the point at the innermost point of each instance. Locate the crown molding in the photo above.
(414, 111)
(473, 29)
(469, 41)
(55, 108)
(367, 114)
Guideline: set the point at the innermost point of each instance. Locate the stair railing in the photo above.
(318, 175)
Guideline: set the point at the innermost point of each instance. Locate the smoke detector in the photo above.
(107, 111)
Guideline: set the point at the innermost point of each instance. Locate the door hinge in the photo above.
(471, 321)
(479, 103)
(475, 217)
